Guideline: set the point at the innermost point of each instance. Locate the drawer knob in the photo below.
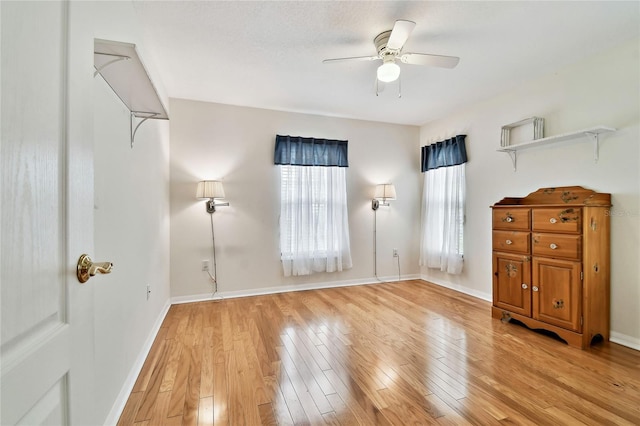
(553, 220)
(524, 286)
(509, 242)
(509, 219)
(553, 246)
(534, 288)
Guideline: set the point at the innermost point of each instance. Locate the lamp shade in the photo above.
(210, 189)
(385, 191)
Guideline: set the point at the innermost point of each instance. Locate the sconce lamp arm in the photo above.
(211, 205)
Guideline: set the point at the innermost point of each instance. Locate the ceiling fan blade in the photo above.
(400, 33)
(430, 60)
(353, 58)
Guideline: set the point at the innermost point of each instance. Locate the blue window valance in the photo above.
(450, 152)
(299, 151)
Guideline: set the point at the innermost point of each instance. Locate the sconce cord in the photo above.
(214, 277)
(375, 244)
(375, 249)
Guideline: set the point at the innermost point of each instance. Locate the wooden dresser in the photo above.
(551, 262)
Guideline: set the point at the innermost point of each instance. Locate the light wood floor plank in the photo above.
(266, 415)
(191, 407)
(386, 354)
(171, 369)
(156, 351)
(153, 389)
(130, 409)
(279, 405)
(179, 389)
(296, 410)
(206, 378)
(205, 411)
(342, 412)
(160, 409)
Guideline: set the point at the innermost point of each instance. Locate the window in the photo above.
(443, 219)
(443, 203)
(314, 228)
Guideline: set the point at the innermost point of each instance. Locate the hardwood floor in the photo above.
(390, 354)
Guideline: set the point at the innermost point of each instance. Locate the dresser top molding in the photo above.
(559, 196)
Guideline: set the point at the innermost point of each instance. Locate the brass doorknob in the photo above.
(88, 268)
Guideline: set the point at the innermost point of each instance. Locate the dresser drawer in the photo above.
(557, 245)
(558, 220)
(511, 241)
(515, 219)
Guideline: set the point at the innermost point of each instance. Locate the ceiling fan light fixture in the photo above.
(389, 71)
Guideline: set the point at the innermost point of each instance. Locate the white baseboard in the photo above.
(287, 288)
(127, 387)
(625, 340)
(462, 289)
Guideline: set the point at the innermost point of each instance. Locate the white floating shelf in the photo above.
(121, 67)
(592, 134)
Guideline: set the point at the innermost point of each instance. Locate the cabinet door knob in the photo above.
(524, 286)
(553, 220)
(553, 246)
(509, 242)
(534, 288)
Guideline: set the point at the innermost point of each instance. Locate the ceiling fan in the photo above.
(389, 46)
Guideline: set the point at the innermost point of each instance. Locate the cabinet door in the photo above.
(557, 292)
(512, 283)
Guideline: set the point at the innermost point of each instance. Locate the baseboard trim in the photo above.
(625, 340)
(288, 288)
(127, 387)
(459, 288)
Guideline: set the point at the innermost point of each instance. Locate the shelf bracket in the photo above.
(595, 138)
(137, 114)
(116, 58)
(514, 159)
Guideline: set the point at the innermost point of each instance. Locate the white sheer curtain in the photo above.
(314, 228)
(443, 199)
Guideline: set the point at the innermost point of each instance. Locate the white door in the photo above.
(46, 214)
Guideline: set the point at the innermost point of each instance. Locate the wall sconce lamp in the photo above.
(384, 192)
(213, 190)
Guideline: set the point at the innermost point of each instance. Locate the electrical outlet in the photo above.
(148, 291)
(205, 265)
(395, 252)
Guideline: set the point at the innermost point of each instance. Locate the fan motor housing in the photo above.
(381, 41)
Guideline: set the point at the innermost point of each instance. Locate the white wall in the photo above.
(131, 224)
(235, 145)
(604, 89)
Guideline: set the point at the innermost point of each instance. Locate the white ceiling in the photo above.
(268, 54)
